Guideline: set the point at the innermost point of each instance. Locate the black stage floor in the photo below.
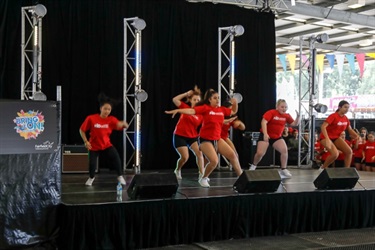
(103, 189)
(91, 218)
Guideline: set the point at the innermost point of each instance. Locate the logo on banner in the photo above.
(29, 125)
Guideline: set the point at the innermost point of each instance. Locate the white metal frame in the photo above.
(132, 86)
(31, 53)
(226, 59)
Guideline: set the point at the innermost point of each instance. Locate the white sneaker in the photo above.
(201, 176)
(252, 167)
(285, 173)
(89, 181)
(121, 180)
(204, 182)
(178, 174)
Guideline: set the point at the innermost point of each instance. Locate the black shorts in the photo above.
(213, 142)
(358, 160)
(181, 141)
(271, 141)
(371, 164)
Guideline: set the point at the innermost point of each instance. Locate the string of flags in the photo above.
(331, 58)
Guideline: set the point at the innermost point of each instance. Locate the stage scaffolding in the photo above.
(226, 66)
(308, 95)
(133, 94)
(31, 52)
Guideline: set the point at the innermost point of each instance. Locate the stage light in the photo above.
(40, 10)
(39, 96)
(322, 38)
(139, 24)
(320, 108)
(141, 95)
(237, 30)
(238, 97)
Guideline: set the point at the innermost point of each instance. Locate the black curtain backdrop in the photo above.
(83, 52)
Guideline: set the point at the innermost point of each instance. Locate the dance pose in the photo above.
(209, 136)
(100, 127)
(331, 130)
(185, 135)
(272, 126)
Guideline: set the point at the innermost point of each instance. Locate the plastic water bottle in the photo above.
(119, 192)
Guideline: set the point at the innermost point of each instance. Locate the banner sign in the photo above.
(28, 127)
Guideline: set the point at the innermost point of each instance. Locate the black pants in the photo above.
(111, 154)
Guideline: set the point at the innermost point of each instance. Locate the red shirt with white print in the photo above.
(276, 123)
(187, 125)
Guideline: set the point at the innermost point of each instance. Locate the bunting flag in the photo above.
(331, 60)
(282, 58)
(292, 61)
(340, 63)
(350, 58)
(370, 55)
(361, 63)
(305, 60)
(320, 62)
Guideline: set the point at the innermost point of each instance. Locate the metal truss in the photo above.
(306, 102)
(261, 5)
(31, 52)
(226, 65)
(133, 94)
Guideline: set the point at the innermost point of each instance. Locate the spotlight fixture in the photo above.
(141, 95)
(238, 97)
(237, 30)
(320, 108)
(40, 10)
(321, 38)
(139, 24)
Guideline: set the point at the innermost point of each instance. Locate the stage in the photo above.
(91, 218)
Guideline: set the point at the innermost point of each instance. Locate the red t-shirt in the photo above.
(225, 130)
(369, 149)
(187, 125)
(357, 153)
(100, 130)
(213, 119)
(324, 154)
(336, 125)
(276, 123)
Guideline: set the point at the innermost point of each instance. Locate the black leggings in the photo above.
(111, 154)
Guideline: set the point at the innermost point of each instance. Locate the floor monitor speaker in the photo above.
(337, 178)
(257, 181)
(151, 185)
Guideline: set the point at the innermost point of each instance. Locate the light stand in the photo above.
(32, 45)
(227, 71)
(133, 99)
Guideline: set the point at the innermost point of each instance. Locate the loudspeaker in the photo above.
(337, 178)
(160, 185)
(257, 181)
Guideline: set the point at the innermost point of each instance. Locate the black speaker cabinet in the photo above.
(337, 178)
(257, 181)
(159, 185)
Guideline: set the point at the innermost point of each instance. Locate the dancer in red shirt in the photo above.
(369, 152)
(331, 129)
(209, 136)
(100, 127)
(228, 123)
(272, 126)
(357, 146)
(185, 135)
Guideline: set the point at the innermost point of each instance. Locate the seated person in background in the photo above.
(286, 135)
(293, 148)
(293, 141)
